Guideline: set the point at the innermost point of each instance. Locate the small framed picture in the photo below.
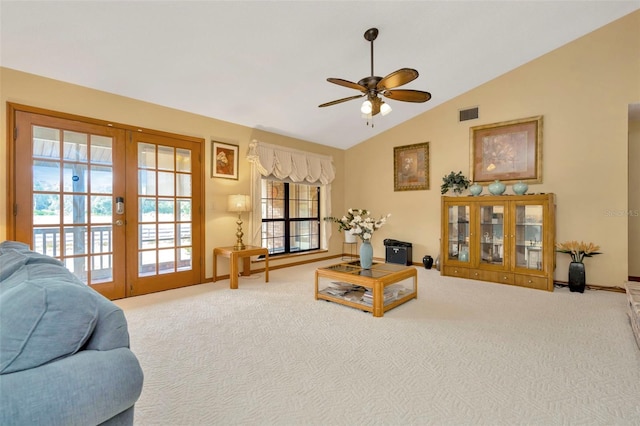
(224, 160)
(411, 167)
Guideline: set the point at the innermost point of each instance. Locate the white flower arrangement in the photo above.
(359, 222)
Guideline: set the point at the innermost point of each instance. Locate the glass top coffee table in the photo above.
(375, 290)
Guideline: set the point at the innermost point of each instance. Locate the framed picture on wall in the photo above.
(224, 160)
(411, 167)
(509, 151)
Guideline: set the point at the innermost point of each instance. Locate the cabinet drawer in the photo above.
(454, 271)
(493, 276)
(539, 283)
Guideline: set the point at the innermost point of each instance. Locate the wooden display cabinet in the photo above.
(507, 239)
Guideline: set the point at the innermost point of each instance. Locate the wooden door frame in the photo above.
(12, 135)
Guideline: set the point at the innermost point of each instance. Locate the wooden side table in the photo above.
(233, 256)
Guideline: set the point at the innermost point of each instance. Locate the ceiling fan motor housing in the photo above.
(370, 82)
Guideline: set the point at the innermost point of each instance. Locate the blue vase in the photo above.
(497, 188)
(520, 188)
(475, 189)
(366, 254)
(463, 256)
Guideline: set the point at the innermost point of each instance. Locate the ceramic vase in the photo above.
(520, 188)
(349, 237)
(427, 261)
(475, 189)
(497, 188)
(577, 277)
(463, 256)
(366, 254)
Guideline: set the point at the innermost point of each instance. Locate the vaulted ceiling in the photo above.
(264, 64)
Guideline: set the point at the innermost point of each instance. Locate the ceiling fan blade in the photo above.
(346, 83)
(338, 101)
(397, 78)
(407, 95)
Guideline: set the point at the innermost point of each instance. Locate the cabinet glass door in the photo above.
(458, 235)
(529, 232)
(492, 234)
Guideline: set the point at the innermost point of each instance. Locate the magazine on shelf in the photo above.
(344, 290)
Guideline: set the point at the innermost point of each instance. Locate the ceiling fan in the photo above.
(373, 86)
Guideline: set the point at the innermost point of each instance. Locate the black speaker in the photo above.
(400, 255)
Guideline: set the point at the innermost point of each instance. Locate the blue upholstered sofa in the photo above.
(64, 348)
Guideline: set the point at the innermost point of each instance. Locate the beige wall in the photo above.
(28, 89)
(583, 91)
(634, 199)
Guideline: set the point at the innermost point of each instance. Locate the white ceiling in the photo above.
(264, 64)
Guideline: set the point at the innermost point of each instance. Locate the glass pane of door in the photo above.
(164, 210)
(458, 235)
(529, 232)
(72, 200)
(492, 235)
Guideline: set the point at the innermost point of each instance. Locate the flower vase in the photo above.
(366, 254)
(349, 237)
(475, 189)
(577, 277)
(520, 188)
(497, 188)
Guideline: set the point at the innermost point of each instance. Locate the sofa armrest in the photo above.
(111, 329)
(87, 388)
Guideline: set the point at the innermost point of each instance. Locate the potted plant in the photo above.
(578, 251)
(456, 182)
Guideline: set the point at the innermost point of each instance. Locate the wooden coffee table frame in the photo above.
(377, 278)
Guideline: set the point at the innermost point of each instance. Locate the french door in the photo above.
(120, 208)
(164, 213)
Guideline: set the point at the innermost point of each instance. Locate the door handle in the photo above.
(119, 222)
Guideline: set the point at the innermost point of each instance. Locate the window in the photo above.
(290, 217)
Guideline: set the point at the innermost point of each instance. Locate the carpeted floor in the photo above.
(464, 353)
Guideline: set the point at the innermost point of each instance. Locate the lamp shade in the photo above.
(239, 203)
(366, 107)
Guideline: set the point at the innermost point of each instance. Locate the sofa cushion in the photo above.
(43, 320)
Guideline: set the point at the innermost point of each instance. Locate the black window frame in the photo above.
(287, 221)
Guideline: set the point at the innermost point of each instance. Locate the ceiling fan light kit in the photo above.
(373, 86)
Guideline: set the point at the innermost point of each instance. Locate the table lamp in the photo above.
(239, 204)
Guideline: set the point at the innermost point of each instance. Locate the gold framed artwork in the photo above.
(411, 167)
(224, 160)
(509, 151)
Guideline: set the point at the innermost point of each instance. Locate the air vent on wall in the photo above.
(468, 114)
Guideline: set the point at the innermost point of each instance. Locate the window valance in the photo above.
(287, 163)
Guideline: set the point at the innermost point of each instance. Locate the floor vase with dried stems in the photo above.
(577, 277)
